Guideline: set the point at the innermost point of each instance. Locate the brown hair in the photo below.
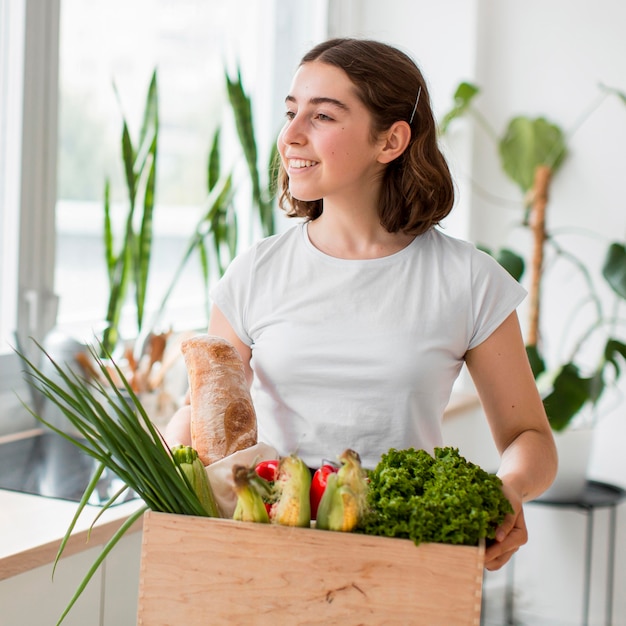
(417, 190)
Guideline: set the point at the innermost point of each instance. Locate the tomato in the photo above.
(318, 485)
(268, 470)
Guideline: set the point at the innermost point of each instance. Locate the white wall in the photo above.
(542, 59)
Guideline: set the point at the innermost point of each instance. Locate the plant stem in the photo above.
(484, 124)
(538, 228)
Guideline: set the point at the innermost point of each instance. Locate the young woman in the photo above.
(354, 324)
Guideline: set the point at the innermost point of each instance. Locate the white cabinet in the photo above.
(110, 599)
(120, 584)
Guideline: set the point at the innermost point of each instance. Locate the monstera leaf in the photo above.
(614, 268)
(512, 262)
(569, 394)
(463, 97)
(527, 144)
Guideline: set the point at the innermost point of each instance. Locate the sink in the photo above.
(45, 464)
(42, 462)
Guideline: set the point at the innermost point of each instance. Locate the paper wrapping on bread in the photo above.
(220, 474)
(223, 420)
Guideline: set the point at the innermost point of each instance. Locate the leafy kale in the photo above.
(442, 499)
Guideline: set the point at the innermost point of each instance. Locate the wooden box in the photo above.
(197, 570)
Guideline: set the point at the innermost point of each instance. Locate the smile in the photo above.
(301, 163)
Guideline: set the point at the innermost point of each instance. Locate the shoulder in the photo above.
(265, 250)
(463, 259)
(277, 243)
(454, 248)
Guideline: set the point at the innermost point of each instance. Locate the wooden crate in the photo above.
(197, 570)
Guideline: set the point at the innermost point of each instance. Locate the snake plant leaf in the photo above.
(128, 157)
(241, 105)
(528, 143)
(570, 392)
(273, 167)
(214, 164)
(463, 97)
(149, 123)
(144, 240)
(146, 153)
(242, 110)
(109, 253)
(614, 268)
(220, 195)
(132, 262)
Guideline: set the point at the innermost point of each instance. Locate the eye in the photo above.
(323, 117)
(289, 115)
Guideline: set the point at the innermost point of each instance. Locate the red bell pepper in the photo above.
(318, 486)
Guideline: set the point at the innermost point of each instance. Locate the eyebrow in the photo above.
(322, 100)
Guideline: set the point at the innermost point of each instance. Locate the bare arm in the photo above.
(500, 370)
(177, 430)
(219, 326)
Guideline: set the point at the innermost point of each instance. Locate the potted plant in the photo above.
(128, 238)
(214, 239)
(531, 152)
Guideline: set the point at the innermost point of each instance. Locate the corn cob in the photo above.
(190, 465)
(250, 488)
(344, 499)
(292, 486)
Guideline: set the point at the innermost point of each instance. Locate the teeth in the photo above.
(299, 163)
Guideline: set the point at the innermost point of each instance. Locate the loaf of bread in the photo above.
(223, 420)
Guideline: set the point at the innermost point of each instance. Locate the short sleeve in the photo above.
(231, 293)
(495, 295)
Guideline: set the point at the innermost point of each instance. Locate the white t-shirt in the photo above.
(359, 354)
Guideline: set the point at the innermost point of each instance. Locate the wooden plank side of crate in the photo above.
(213, 571)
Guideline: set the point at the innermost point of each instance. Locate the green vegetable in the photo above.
(119, 435)
(189, 463)
(441, 499)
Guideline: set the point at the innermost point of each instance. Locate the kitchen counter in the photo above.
(32, 527)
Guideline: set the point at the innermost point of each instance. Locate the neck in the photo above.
(354, 236)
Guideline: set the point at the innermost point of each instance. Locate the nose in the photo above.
(293, 132)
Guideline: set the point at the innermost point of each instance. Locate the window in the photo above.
(60, 134)
(189, 43)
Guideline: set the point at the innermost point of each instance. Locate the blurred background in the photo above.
(72, 71)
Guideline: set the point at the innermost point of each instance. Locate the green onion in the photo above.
(119, 435)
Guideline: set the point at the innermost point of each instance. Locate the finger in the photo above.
(507, 526)
(500, 560)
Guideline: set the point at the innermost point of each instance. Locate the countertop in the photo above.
(32, 527)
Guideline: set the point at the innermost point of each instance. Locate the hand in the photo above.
(178, 430)
(510, 535)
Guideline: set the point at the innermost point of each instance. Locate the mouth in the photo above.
(299, 164)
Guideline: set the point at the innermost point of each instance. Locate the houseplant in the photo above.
(531, 152)
(213, 240)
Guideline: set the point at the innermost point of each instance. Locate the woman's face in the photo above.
(325, 144)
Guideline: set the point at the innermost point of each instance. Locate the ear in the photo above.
(395, 142)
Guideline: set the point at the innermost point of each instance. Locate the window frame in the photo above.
(30, 60)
